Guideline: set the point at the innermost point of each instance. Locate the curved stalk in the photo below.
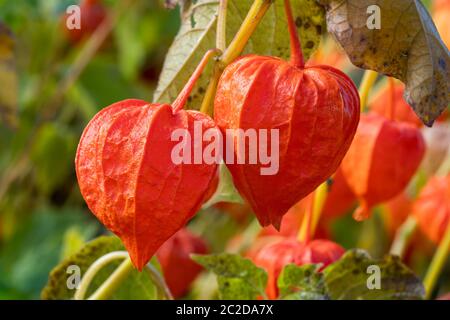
(94, 269)
(159, 281)
(114, 281)
(297, 59)
(437, 264)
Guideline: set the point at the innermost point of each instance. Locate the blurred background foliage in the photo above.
(43, 217)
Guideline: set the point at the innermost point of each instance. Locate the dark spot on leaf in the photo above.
(319, 29)
(442, 63)
(193, 22)
(310, 44)
(307, 25)
(298, 22)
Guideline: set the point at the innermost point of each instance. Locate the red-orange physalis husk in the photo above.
(432, 208)
(274, 257)
(397, 211)
(315, 109)
(178, 268)
(382, 105)
(128, 178)
(340, 198)
(383, 157)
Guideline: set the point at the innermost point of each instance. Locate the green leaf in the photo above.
(348, 279)
(226, 191)
(198, 32)
(73, 240)
(301, 283)
(407, 47)
(138, 285)
(238, 278)
(8, 77)
(216, 227)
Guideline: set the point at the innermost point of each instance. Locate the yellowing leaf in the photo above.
(407, 47)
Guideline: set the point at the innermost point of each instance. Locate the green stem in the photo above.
(251, 21)
(369, 79)
(159, 281)
(304, 234)
(437, 264)
(94, 269)
(308, 228)
(221, 39)
(210, 93)
(403, 237)
(114, 281)
(319, 202)
(237, 45)
(444, 169)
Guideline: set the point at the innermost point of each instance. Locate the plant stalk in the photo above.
(237, 45)
(369, 79)
(437, 264)
(251, 21)
(309, 224)
(94, 269)
(392, 105)
(297, 59)
(221, 39)
(114, 281)
(182, 98)
(304, 234)
(159, 281)
(403, 237)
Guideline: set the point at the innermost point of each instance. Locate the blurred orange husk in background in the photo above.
(441, 17)
(432, 208)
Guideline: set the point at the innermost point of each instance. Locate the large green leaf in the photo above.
(198, 32)
(238, 278)
(137, 286)
(347, 279)
(407, 47)
(301, 283)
